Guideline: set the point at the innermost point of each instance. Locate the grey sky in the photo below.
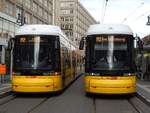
(131, 12)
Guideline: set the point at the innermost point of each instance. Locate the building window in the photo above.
(45, 3)
(69, 33)
(5, 25)
(7, 28)
(71, 26)
(34, 20)
(66, 4)
(49, 18)
(11, 27)
(66, 19)
(66, 26)
(45, 15)
(40, 22)
(71, 11)
(62, 26)
(40, 11)
(20, 1)
(28, 3)
(28, 18)
(35, 7)
(9, 8)
(67, 11)
(41, 1)
(71, 19)
(62, 18)
(1, 23)
(62, 4)
(50, 6)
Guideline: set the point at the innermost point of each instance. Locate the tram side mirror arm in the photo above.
(81, 46)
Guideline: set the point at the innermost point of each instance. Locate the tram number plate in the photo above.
(112, 78)
(31, 76)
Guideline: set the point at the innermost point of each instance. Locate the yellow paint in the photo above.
(36, 83)
(146, 54)
(109, 85)
(68, 76)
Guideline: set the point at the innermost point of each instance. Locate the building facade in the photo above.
(73, 19)
(34, 11)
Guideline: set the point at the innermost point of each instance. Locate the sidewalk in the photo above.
(5, 84)
(5, 88)
(143, 89)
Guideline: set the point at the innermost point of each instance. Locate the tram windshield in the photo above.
(109, 53)
(35, 54)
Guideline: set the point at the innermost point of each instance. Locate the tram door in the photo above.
(73, 64)
(65, 65)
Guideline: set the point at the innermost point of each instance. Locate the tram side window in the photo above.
(67, 60)
(66, 55)
(57, 54)
(73, 59)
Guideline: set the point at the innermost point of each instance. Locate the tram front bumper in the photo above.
(108, 85)
(29, 84)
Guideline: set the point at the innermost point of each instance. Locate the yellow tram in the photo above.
(109, 59)
(44, 60)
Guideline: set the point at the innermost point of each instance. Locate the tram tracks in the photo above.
(24, 104)
(134, 106)
(140, 104)
(94, 105)
(42, 102)
(120, 104)
(143, 99)
(6, 99)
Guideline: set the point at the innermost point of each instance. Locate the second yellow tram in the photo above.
(109, 59)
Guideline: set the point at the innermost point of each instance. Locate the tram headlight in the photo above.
(128, 74)
(15, 74)
(56, 73)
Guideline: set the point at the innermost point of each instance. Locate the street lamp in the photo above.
(21, 19)
(148, 22)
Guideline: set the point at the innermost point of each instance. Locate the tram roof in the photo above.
(109, 29)
(38, 29)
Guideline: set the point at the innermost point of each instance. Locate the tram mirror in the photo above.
(81, 44)
(139, 43)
